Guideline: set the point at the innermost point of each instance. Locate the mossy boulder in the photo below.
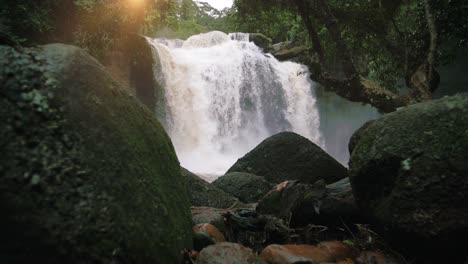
(409, 171)
(248, 188)
(261, 41)
(202, 193)
(289, 156)
(87, 174)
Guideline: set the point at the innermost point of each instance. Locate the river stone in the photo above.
(213, 216)
(202, 193)
(247, 187)
(289, 156)
(87, 174)
(409, 171)
(227, 253)
(302, 204)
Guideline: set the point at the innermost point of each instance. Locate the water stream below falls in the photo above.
(223, 96)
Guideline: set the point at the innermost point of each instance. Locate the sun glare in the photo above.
(137, 3)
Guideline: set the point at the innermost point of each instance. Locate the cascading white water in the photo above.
(224, 96)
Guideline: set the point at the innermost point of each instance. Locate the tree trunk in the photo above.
(353, 87)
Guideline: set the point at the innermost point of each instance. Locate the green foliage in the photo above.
(275, 21)
(387, 39)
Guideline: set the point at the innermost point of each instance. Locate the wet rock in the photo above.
(205, 235)
(261, 41)
(248, 188)
(289, 156)
(318, 203)
(89, 175)
(208, 215)
(204, 194)
(291, 53)
(409, 171)
(290, 254)
(226, 253)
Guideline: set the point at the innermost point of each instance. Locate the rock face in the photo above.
(289, 156)
(204, 194)
(247, 187)
(261, 41)
(409, 170)
(291, 53)
(318, 203)
(227, 253)
(87, 174)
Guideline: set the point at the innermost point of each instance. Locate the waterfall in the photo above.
(223, 96)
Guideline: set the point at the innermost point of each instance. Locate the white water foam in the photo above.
(224, 96)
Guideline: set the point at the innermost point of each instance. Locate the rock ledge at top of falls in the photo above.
(289, 156)
(87, 174)
(409, 171)
(261, 41)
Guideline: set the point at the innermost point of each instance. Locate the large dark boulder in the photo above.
(301, 204)
(247, 187)
(289, 156)
(87, 174)
(202, 193)
(409, 171)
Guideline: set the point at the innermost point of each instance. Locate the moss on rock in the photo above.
(409, 171)
(87, 173)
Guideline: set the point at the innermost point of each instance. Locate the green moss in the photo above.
(106, 181)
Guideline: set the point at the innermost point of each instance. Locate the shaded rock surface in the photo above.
(291, 254)
(202, 193)
(248, 188)
(261, 41)
(205, 235)
(227, 253)
(87, 174)
(291, 53)
(289, 156)
(409, 171)
(317, 203)
(208, 215)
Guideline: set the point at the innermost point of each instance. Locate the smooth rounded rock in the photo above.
(88, 175)
(205, 235)
(226, 253)
(290, 254)
(289, 156)
(248, 188)
(409, 172)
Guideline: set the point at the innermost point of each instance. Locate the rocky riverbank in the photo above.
(88, 175)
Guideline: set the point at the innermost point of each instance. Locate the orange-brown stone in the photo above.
(338, 249)
(289, 254)
(210, 231)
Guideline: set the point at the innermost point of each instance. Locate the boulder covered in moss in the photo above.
(289, 156)
(248, 188)
(261, 41)
(409, 171)
(87, 174)
(202, 193)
